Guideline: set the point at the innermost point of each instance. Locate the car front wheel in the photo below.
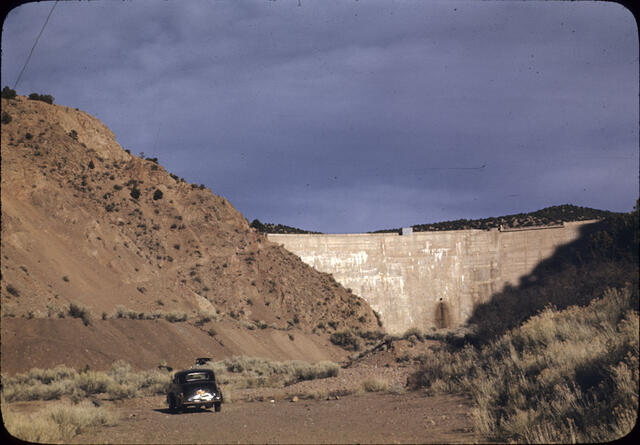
(217, 407)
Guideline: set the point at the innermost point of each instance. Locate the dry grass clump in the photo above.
(175, 316)
(325, 394)
(375, 385)
(58, 423)
(563, 376)
(120, 382)
(205, 316)
(251, 372)
(172, 317)
(247, 325)
(126, 383)
(123, 312)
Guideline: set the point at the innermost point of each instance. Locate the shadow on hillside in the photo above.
(605, 255)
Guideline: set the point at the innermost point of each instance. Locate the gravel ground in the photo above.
(366, 418)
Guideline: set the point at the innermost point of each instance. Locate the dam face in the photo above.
(429, 279)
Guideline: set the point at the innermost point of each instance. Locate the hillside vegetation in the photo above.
(548, 216)
(277, 228)
(555, 360)
(92, 232)
(545, 217)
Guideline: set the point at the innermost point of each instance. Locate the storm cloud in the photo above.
(350, 116)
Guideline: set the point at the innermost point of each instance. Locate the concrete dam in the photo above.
(429, 279)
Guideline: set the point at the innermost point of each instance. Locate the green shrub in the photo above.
(79, 311)
(371, 335)
(157, 194)
(8, 93)
(6, 117)
(41, 97)
(12, 290)
(345, 339)
(135, 193)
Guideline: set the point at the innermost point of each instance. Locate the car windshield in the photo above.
(196, 377)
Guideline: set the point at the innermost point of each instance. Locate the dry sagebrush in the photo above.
(563, 376)
(58, 423)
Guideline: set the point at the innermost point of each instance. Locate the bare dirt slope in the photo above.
(85, 222)
(45, 343)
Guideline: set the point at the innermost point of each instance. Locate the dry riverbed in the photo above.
(367, 418)
(367, 403)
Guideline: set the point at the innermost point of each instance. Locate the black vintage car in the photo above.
(194, 387)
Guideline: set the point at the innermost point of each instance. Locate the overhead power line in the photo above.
(34, 44)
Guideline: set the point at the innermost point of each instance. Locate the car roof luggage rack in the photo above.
(202, 361)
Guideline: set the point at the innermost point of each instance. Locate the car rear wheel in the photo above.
(173, 406)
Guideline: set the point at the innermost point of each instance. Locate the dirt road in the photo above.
(369, 418)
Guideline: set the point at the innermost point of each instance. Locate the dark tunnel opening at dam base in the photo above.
(442, 318)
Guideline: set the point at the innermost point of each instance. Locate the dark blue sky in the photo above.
(350, 116)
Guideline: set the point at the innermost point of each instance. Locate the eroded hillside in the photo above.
(86, 222)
